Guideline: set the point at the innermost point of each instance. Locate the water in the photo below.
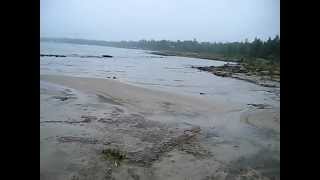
(141, 68)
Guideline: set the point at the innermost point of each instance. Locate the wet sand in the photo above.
(163, 135)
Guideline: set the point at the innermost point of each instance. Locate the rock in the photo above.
(264, 72)
(161, 53)
(271, 85)
(260, 106)
(276, 72)
(276, 78)
(222, 73)
(264, 78)
(243, 70)
(61, 98)
(205, 68)
(52, 55)
(88, 118)
(108, 56)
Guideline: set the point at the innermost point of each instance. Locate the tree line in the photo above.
(268, 49)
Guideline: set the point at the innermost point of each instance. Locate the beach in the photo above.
(161, 134)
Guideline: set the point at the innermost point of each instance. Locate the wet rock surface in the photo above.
(239, 71)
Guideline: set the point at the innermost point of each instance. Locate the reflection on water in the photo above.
(141, 68)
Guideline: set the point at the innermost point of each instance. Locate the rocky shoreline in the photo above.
(259, 72)
(241, 71)
(194, 55)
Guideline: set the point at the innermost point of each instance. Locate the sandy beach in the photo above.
(162, 135)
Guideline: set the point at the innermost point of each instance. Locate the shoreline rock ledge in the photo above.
(239, 71)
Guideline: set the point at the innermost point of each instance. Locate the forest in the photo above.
(257, 49)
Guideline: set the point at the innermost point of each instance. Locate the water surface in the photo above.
(141, 68)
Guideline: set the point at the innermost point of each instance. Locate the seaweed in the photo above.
(114, 155)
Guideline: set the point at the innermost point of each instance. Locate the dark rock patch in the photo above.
(161, 53)
(260, 106)
(75, 55)
(88, 119)
(52, 55)
(107, 56)
(61, 98)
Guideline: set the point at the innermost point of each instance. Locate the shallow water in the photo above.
(226, 134)
(140, 68)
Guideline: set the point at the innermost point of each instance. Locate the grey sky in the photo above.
(205, 20)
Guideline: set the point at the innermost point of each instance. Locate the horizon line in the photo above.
(43, 37)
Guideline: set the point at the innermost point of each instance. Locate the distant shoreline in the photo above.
(155, 52)
(258, 72)
(194, 49)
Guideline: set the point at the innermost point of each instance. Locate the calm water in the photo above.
(140, 68)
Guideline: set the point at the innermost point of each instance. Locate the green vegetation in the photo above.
(257, 55)
(114, 155)
(237, 51)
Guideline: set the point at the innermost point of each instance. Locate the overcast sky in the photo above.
(205, 20)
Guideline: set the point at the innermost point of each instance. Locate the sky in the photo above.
(204, 20)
